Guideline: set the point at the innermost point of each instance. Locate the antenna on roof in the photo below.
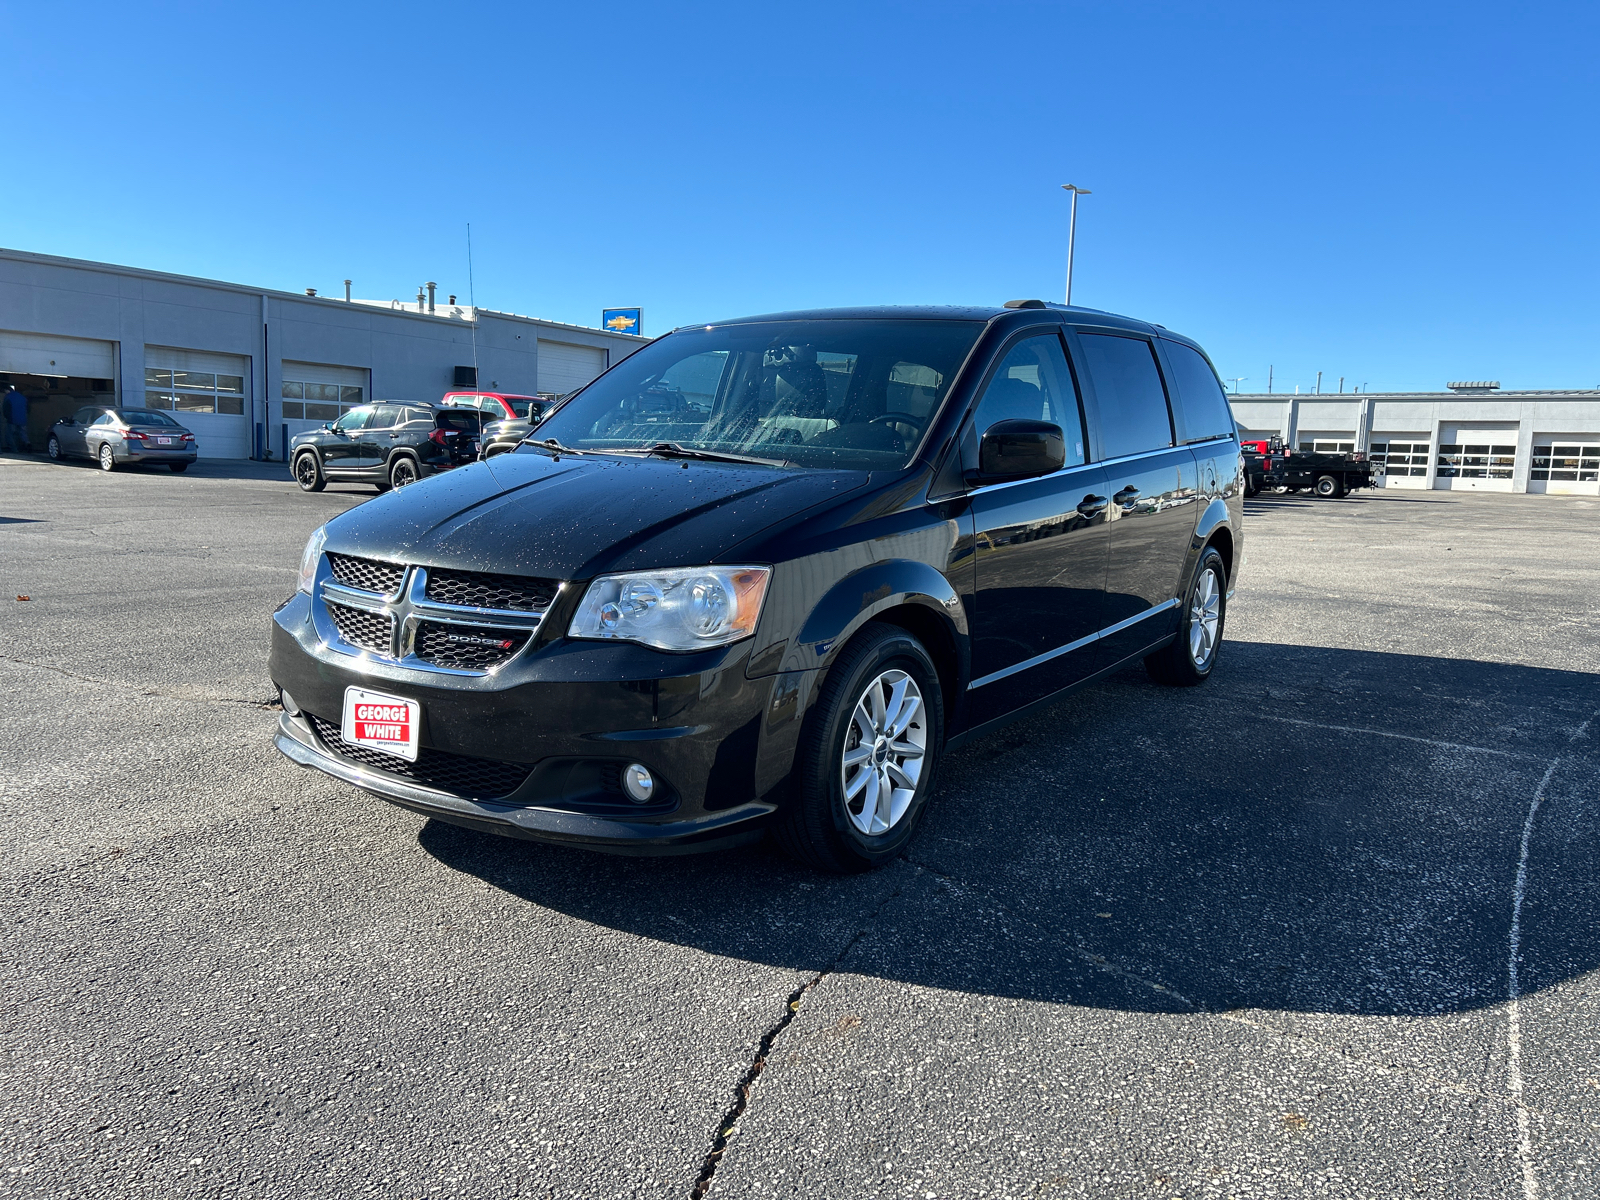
(472, 299)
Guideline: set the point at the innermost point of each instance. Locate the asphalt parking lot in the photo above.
(1327, 926)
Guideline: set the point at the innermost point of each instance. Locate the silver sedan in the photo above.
(114, 437)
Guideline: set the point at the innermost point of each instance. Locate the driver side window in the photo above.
(353, 420)
(1033, 383)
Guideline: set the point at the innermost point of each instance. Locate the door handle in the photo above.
(1127, 496)
(1091, 506)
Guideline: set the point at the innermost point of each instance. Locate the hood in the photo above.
(528, 513)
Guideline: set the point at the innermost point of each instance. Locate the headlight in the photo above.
(309, 560)
(690, 608)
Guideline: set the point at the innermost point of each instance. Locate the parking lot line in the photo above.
(1404, 737)
(1530, 1176)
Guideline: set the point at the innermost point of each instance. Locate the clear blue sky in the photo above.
(1402, 194)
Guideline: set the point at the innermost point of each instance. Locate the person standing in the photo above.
(14, 407)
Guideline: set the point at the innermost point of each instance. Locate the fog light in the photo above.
(638, 783)
(287, 701)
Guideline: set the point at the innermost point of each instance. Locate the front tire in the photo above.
(53, 448)
(866, 763)
(1190, 658)
(108, 460)
(308, 473)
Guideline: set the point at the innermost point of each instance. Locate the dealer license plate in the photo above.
(382, 722)
(161, 441)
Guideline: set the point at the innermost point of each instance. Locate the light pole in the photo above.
(1072, 229)
(1237, 380)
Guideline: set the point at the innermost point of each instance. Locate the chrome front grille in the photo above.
(465, 647)
(400, 613)
(365, 630)
(480, 589)
(367, 574)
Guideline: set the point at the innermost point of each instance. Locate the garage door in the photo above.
(207, 393)
(1402, 458)
(1476, 457)
(1566, 464)
(316, 393)
(564, 367)
(46, 354)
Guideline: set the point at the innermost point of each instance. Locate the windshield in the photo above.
(520, 407)
(853, 394)
(145, 416)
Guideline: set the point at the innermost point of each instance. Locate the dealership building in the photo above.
(1472, 437)
(248, 368)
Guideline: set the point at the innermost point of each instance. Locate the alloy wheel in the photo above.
(403, 474)
(107, 459)
(884, 751)
(54, 447)
(1205, 616)
(305, 471)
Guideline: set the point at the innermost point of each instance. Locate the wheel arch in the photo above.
(903, 592)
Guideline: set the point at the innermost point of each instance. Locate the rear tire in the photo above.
(308, 472)
(178, 468)
(1329, 487)
(857, 737)
(403, 472)
(108, 459)
(1192, 656)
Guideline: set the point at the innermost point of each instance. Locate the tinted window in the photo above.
(85, 415)
(106, 418)
(144, 416)
(353, 420)
(1205, 407)
(1132, 402)
(464, 420)
(823, 393)
(383, 417)
(521, 407)
(1032, 383)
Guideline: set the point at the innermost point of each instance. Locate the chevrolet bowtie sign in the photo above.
(623, 320)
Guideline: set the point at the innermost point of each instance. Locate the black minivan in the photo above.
(759, 575)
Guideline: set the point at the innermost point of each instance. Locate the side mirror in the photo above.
(328, 426)
(1021, 450)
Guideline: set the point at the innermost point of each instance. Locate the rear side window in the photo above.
(1205, 407)
(1127, 383)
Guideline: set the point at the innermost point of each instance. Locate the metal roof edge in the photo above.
(87, 264)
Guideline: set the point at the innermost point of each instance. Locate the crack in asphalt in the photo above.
(264, 705)
(729, 1125)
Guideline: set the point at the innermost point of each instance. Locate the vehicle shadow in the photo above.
(1154, 849)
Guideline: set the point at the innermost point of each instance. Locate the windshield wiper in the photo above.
(673, 450)
(550, 444)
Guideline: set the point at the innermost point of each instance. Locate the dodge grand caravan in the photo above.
(759, 575)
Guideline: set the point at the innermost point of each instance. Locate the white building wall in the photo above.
(411, 356)
(1521, 418)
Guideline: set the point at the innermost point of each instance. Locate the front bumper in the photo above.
(721, 745)
(709, 831)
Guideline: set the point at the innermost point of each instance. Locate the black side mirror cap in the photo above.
(1020, 450)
